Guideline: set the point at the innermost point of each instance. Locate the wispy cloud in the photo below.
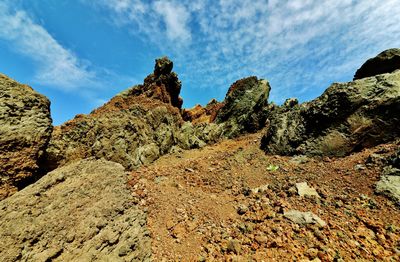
(299, 45)
(57, 66)
(154, 20)
(175, 18)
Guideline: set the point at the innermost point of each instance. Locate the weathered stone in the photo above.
(121, 131)
(303, 189)
(199, 114)
(346, 118)
(233, 246)
(290, 102)
(163, 66)
(394, 160)
(162, 84)
(25, 129)
(389, 183)
(132, 129)
(385, 62)
(245, 107)
(304, 218)
(80, 212)
(390, 187)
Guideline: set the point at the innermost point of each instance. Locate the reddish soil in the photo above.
(193, 200)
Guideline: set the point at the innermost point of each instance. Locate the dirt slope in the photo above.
(203, 205)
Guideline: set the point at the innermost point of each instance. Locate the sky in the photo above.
(80, 53)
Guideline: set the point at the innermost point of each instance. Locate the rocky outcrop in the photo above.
(25, 129)
(245, 108)
(136, 127)
(80, 212)
(347, 117)
(386, 62)
(162, 84)
(199, 114)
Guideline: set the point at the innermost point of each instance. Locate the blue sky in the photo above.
(80, 53)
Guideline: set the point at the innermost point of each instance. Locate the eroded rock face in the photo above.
(347, 117)
(80, 212)
(162, 84)
(245, 107)
(199, 114)
(135, 127)
(120, 131)
(25, 129)
(386, 62)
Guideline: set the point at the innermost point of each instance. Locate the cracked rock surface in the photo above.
(25, 129)
(80, 212)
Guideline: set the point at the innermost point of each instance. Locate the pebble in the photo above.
(233, 246)
(303, 189)
(242, 209)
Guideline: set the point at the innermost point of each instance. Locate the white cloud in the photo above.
(300, 45)
(57, 66)
(157, 21)
(176, 19)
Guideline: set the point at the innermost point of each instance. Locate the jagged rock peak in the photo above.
(387, 61)
(163, 66)
(162, 84)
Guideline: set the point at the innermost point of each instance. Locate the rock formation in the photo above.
(386, 62)
(135, 127)
(80, 212)
(245, 107)
(162, 84)
(25, 129)
(347, 117)
(199, 114)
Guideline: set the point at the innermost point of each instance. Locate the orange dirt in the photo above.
(193, 197)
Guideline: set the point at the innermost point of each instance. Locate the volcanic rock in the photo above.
(290, 103)
(245, 107)
(133, 128)
(390, 187)
(162, 84)
(199, 114)
(80, 212)
(347, 117)
(385, 62)
(25, 129)
(303, 189)
(389, 183)
(304, 218)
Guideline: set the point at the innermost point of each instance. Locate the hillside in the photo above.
(143, 179)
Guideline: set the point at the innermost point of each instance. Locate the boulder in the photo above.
(245, 107)
(390, 187)
(80, 212)
(346, 118)
(25, 129)
(304, 218)
(389, 183)
(386, 62)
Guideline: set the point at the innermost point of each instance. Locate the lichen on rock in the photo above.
(245, 108)
(347, 117)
